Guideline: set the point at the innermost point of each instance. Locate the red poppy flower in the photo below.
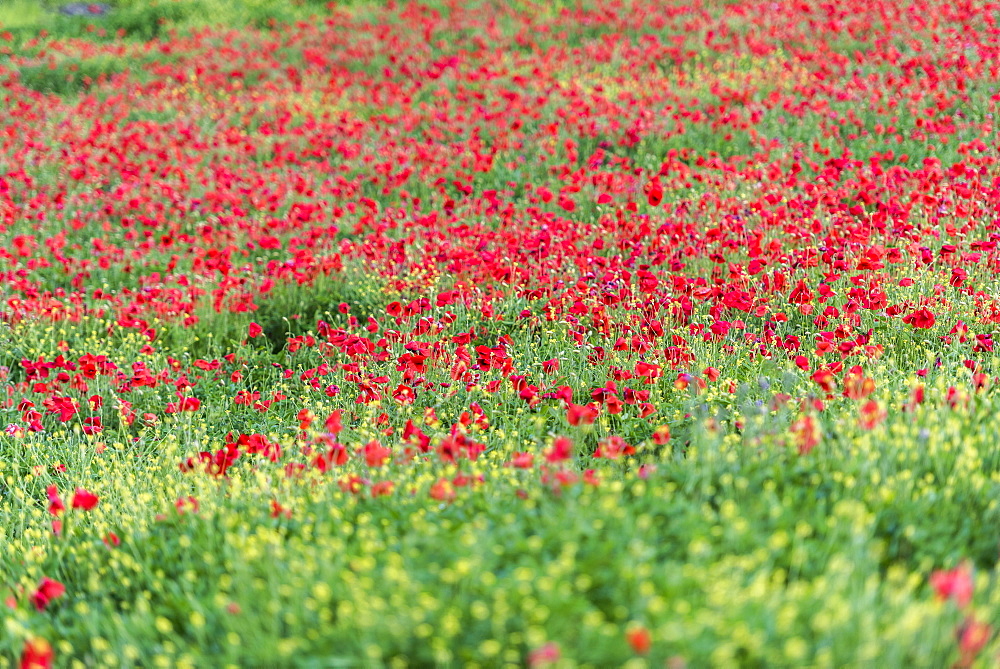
(577, 414)
(544, 656)
(376, 454)
(84, 499)
(954, 584)
(443, 490)
(278, 510)
(613, 447)
(973, 635)
(383, 488)
(37, 654)
(640, 639)
(806, 433)
(654, 192)
(857, 386)
(333, 423)
(47, 590)
(56, 505)
(872, 414)
(562, 449)
(185, 404)
(404, 394)
(921, 318)
(522, 460)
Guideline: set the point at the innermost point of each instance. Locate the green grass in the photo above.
(144, 20)
(71, 75)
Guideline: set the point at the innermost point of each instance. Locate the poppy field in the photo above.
(546, 334)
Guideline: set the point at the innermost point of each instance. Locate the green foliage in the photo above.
(145, 21)
(72, 75)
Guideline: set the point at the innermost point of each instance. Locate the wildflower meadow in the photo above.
(495, 333)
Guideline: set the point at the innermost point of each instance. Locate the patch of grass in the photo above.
(71, 75)
(288, 310)
(33, 22)
(18, 14)
(141, 21)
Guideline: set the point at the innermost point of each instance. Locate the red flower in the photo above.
(586, 414)
(916, 398)
(872, 414)
(254, 330)
(185, 404)
(376, 454)
(353, 484)
(186, 504)
(404, 394)
(921, 318)
(562, 449)
(305, 418)
(800, 294)
(612, 448)
(443, 490)
(522, 460)
(647, 281)
(84, 499)
(544, 656)
(806, 433)
(382, 488)
(654, 192)
(47, 590)
(336, 455)
(37, 654)
(954, 584)
(973, 635)
(333, 424)
(56, 505)
(277, 510)
(857, 386)
(738, 299)
(824, 379)
(92, 425)
(720, 328)
(640, 639)
(648, 370)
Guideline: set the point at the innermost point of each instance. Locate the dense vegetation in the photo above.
(500, 333)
